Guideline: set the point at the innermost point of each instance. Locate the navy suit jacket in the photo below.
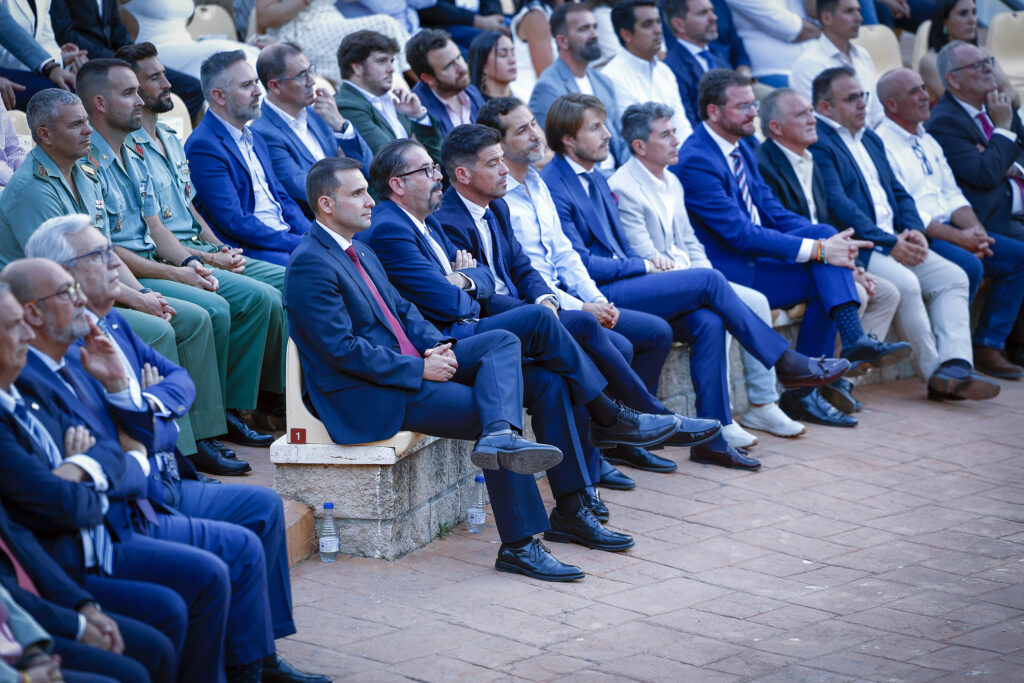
(82, 23)
(849, 200)
(454, 217)
(291, 158)
(715, 205)
(778, 173)
(578, 218)
(412, 267)
(59, 595)
(979, 165)
(356, 378)
(224, 192)
(688, 73)
(438, 114)
(55, 509)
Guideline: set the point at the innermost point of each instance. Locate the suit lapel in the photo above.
(293, 138)
(789, 175)
(349, 269)
(845, 152)
(579, 195)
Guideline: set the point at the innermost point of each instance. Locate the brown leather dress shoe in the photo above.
(993, 363)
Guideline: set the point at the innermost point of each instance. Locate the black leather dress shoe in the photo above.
(951, 382)
(821, 371)
(537, 562)
(613, 479)
(596, 505)
(210, 458)
(633, 428)
(840, 395)
(638, 458)
(583, 528)
(507, 449)
(869, 352)
(691, 431)
(243, 434)
(276, 670)
(814, 408)
(733, 458)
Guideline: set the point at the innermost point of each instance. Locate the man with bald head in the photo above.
(950, 222)
(300, 122)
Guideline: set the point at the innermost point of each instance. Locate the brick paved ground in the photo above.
(891, 552)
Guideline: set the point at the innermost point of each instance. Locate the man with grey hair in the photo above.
(982, 137)
(653, 214)
(952, 225)
(237, 190)
(788, 124)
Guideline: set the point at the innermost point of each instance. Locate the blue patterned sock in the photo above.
(847, 322)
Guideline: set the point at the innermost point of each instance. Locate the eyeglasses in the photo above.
(301, 76)
(923, 158)
(102, 255)
(855, 96)
(72, 293)
(748, 107)
(977, 66)
(429, 171)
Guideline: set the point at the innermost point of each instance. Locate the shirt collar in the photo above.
(694, 50)
(897, 129)
(646, 174)
(724, 145)
(840, 128)
(415, 221)
(104, 154)
(795, 158)
(576, 168)
(971, 110)
(344, 243)
(367, 94)
(236, 135)
(8, 400)
(288, 118)
(53, 365)
(637, 62)
(475, 210)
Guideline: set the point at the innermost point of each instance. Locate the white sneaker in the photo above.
(737, 437)
(770, 418)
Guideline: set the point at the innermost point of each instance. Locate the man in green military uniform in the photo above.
(56, 179)
(247, 316)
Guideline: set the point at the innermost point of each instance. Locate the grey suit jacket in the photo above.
(643, 225)
(557, 80)
(19, 42)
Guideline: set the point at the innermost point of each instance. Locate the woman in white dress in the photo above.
(318, 28)
(163, 22)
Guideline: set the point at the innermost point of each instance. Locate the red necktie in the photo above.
(24, 580)
(396, 327)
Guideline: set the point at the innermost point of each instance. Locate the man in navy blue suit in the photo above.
(694, 25)
(217, 549)
(237, 190)
(168, 391)
(373, 366)
(444, 87)
(863, 192)
(300, 123)
(754, 240)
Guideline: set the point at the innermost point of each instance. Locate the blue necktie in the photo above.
(709, 61)
(98, 536)
(741, 180)
(602, 215)
(500, 265)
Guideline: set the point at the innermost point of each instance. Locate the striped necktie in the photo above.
(739, 169)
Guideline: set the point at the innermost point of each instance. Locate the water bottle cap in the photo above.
(328, 506)
(479, 478)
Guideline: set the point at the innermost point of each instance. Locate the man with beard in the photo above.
(236, 188)
(248, 320)
(300, 123)
(444, 87)
(575, 31)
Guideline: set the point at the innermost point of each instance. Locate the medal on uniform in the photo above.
(167, 212)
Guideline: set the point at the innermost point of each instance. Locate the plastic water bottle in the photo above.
(329, 541)
(476, 515)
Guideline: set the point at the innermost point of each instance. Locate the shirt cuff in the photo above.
(547, 297)
(1006, 133)
(142, 460)
(423, 120)
(123, 399)
(82, 623)
(92, 468)
(567, 301)
(161, 409)
(347, 133)
(806, 250)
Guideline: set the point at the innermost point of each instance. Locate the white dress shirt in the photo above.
(342, 242)
(1018, 196)
(803, 167)
(855, 144)
(726, 148)
(821, 54)
(921, 167)
(435, 246)
(476, 212)
(768, 29)
(536, 225)
(638, 80)
(266, 208)
(385, 104)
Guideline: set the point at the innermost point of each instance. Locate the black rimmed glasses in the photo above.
(977, 66)
(429, 171)
(104, 255)
(72, 293)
